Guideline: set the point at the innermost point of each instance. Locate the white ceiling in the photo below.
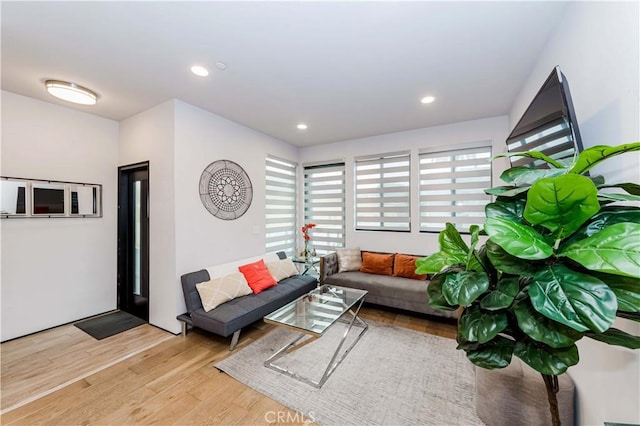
(347, 69)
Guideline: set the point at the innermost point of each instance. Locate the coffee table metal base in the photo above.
(336, 359)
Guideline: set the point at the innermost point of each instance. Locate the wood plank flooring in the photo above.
(172, 381)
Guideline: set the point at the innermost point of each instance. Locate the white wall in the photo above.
(149, 136)
(490, 129)
(202, 239)
(57, 270)
(597, 48)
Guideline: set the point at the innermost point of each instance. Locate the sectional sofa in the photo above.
(389, 278)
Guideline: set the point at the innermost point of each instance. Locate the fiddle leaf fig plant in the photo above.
(560, 263)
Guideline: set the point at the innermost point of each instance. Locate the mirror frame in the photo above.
(73, 206)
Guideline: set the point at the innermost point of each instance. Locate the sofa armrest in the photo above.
(328, 266)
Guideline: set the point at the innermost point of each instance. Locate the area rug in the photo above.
(110, 324)
(393, 376)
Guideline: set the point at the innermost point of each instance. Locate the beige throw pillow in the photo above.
(222, 289)
(349, 259)
(281, 269)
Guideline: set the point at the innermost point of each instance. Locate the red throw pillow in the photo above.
(257, 275)
(376, 263)
(405, 266)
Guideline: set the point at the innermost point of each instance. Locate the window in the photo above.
(324, 205)
(280, 205)
(452, 187)
(383, 192)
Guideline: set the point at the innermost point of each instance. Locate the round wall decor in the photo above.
(225, 189)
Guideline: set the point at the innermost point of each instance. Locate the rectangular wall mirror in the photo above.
(40, 198)
(13, 196)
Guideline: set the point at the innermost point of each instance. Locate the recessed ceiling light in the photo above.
(199, 71)
(71, 92)
(302, 126)
(427, 99)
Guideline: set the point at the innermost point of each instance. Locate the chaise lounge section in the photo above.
(409, 294)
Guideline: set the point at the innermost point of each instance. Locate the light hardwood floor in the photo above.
(143, 376)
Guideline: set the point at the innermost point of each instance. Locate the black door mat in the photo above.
(109, 324)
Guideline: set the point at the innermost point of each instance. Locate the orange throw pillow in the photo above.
(405, 266)
(376, 263)
(257, 275)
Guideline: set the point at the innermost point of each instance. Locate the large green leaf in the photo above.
(616, 337)
(476, 325)
(464, 287)
(614, 197)
(505, 262)
(474, 230)
(518, 240)
(510, 210)
(614, 250)
(534, 154)
(521, 175)
(633, 316)
(431, 264)
(631, 188)
(453, 247)
(626, 289)
(434, 291)
(562, 204)
(545, 359)
(542, 329)
(577, 300)
(494, 354)
(590, 157)
(503, 295)
(607, 216)
(507, 191)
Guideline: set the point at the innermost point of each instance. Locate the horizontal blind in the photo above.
(382, 192)
(553, 139)
(280, 205)
(452, 187)
(324, 205)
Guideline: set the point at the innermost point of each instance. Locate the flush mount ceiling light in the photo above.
(71, 92)
(427, 99)
(200, 71)
(302, 126)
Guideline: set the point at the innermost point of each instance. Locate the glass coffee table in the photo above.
(312, 315)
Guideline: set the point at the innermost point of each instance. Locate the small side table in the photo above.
(310, 265)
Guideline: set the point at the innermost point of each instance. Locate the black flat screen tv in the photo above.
(48, 201)
(548, 125)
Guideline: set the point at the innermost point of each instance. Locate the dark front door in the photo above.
(133, 239)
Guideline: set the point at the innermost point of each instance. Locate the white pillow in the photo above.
(349, 259)
(281, 269)
(222, 289)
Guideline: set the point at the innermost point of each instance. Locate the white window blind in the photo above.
(382, 192)
(280, 205)
(452, 187)
(324, 205)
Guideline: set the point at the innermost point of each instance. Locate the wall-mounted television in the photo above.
(548, 125)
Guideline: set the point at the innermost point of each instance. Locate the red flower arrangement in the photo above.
(305, 231)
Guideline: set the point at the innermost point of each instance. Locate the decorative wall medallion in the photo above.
(225, 190)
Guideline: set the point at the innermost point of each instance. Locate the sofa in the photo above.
(230, 317)
(407, 292)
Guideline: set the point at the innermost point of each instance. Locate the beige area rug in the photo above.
(393, 376)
